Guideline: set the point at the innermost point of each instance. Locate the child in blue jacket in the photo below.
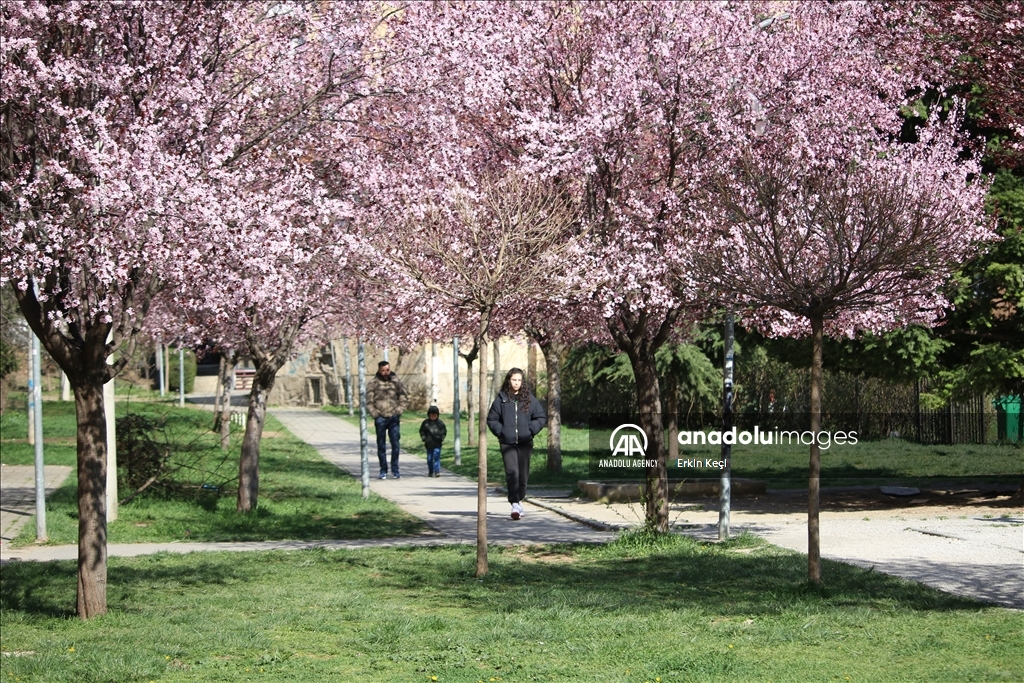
(433, 433)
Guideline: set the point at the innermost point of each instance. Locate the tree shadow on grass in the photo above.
(47, 589)
(739, 578)
(41, 588)
(266, 525)
(720, 580)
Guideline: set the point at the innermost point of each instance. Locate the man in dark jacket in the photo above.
(386, 400)
(516, 416)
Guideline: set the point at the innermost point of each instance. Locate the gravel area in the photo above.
(963, 540)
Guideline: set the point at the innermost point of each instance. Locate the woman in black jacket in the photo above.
(515, 418)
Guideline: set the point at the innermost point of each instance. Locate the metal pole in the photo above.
(456, 409)
(181, 376)
(36, 410)
(364, 443)
(109, 408)
(334, 370)
(160, 370)
(348, 374)
(433, 373)
(30, 405)
(725, 492)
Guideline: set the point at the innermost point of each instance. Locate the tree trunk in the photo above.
(227, 386)
(249, 461)
(469, 408)
(92, 489)
(672, 413)
(554, 353)
(631, 333)
(481, 484)
(648, 398)
(470, 357)
(497, 377)
(218, 394)
(531, 361)
(84, 359)
(814, 472)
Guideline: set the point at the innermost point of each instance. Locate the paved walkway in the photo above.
(977, 555)
(446, 503)
(18, 495)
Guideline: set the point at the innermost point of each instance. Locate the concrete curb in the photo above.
(592, 523)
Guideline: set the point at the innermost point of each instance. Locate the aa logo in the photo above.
(628, 442)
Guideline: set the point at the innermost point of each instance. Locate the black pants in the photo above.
(517, 469)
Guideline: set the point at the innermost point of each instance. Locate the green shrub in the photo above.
(140, 453)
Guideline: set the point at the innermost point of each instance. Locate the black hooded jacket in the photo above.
(513, 425)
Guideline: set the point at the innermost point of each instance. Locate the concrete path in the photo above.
(447, 503)
(18, 495)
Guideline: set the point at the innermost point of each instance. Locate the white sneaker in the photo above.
(517, 510)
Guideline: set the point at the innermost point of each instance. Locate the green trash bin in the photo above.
(1008, 427)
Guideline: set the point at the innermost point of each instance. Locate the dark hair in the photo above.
(524, 394)
(432, 410)
(382, 364)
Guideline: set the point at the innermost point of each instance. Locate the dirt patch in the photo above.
(940, 501)
(870, 498)
(538, 554)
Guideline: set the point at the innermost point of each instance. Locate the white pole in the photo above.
(433, 373)
(111, 417)
(364, 442)
(31, 394)
(65, 387)
(110, 413)
(334, 371)
(160, 367)
(181, 376)
(36, 411)
(725, 482)
(456, 416)
(348, 375)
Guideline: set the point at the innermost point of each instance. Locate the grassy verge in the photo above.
(638, 610)
(302, 496)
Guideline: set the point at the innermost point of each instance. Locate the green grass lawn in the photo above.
(58, 435)
(302, 496)
(865, 463)
(638, 610)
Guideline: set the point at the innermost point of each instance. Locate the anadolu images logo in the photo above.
(628, 444)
